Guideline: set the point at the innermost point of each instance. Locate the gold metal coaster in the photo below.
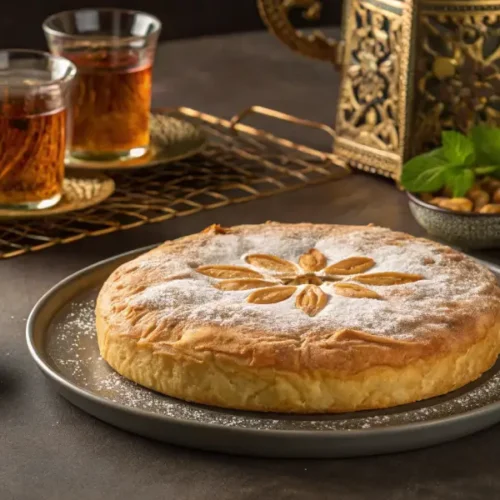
(80, 190)
(171, 139)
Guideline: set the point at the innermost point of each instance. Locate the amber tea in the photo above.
(33, 127)
(111, 103)
(113, 50)
(32, 149)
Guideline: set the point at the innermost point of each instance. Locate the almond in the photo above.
(493, 208)
(454, 204)
(437, 200)
(242, 284)
(490, 184)
(312, 261)
(271, 262)
(479, 197)
(311, 300)
(355, 291)
(386, 279)
(352, 265)
(304, 279)
(228, 272)
(216, 229)
(271, 295)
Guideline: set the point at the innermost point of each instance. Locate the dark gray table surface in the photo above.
(51, 450)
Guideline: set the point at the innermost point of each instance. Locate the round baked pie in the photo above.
(300, 318)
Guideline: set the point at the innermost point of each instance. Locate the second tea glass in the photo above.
(113, 50)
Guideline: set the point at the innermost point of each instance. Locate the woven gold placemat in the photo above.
(238, 164)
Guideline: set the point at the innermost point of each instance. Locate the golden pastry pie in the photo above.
(300, 318)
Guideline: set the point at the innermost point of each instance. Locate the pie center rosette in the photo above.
(278, 279)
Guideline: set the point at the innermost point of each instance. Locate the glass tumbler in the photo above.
(33, 127)
(113, 50)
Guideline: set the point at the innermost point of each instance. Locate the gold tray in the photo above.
(80, 190)
(172, 139)
(238, 164)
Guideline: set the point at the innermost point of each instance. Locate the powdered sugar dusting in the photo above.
(72, 348)
(400, 314)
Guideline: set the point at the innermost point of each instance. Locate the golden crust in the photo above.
(317, 369)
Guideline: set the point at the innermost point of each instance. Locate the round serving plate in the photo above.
(172, 139)
(80, 190)
(61, 338)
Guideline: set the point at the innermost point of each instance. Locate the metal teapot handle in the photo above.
(275, 14)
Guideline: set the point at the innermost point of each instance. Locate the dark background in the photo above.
(20, 20)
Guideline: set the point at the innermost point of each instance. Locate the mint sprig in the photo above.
(459, 180)
(425, 173)
(456, 164)
(458, 149)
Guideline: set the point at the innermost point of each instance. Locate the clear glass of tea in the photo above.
(34, 91)
(113, 50)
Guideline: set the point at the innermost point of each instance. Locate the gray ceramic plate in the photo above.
(61, 339)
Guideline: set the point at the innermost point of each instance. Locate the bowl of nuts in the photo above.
(471, 221)
(454, 191)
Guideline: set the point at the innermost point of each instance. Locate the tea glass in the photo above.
(113, 50)
(33, 127)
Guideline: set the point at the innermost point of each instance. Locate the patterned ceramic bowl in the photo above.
(467, 230)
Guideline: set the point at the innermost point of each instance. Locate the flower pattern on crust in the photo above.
(278, 279)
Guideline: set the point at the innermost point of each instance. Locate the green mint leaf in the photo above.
(425, 173)
(470, 161)
(486, 170)
(487, 144)
(459, 180)
(457, 148)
